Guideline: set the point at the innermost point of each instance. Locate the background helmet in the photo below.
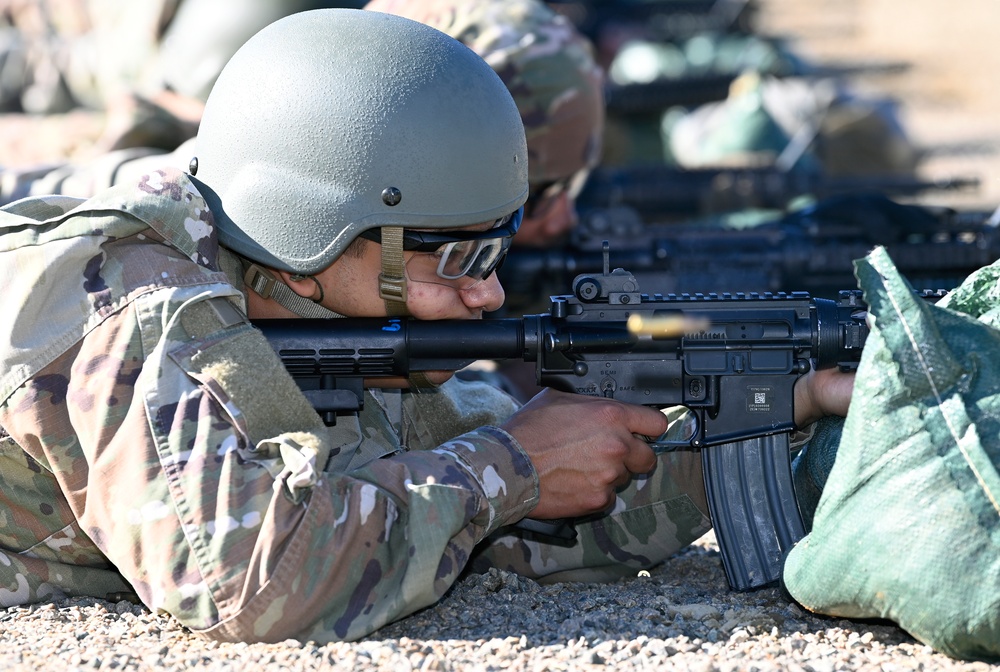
(547, 65)
(330, 122)
(204, 34)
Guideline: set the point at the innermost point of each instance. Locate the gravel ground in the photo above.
(681, 617)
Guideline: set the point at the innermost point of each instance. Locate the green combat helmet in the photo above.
(547, 65)
(332, 122)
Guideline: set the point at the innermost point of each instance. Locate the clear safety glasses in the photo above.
(458, 259)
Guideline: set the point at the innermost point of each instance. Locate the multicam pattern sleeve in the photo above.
(175, 449)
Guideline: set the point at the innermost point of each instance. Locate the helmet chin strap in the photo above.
(392, 279)
(392, 290)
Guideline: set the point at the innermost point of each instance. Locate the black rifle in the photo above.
(648, 100)
(735, 375)
(811, 249)
(651, 99)
(661, 19)
(659, 192)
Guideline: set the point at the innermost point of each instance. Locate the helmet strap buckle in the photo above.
(392, 279)
(260, 280)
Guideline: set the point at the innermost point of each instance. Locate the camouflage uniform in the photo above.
(140, 452)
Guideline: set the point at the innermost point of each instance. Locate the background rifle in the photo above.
(651, 99)
(811, 249)
(659, 192)
(733, 363)
(659, 19)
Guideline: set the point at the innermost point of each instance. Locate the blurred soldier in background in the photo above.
(112, 85)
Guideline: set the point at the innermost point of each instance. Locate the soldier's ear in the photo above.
(306, 286)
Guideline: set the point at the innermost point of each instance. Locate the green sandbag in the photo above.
(908, 524)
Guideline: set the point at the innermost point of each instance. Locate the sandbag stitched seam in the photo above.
(937, 396)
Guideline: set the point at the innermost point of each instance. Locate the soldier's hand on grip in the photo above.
(822, 392)
(583, 448)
